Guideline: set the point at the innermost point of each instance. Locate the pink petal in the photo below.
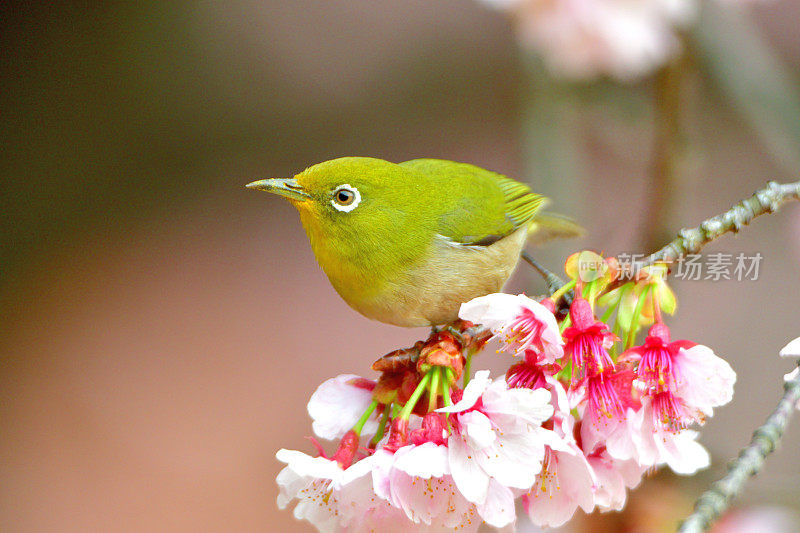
(705, 380)
(424, 461)
(514, 460)
(468, 476)
(336, 406)
(472, 392)
(498, 510)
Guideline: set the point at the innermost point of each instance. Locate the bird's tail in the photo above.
(546, 227)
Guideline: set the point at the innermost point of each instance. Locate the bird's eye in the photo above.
(346, 198)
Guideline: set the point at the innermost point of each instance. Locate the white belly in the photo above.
(431, 292)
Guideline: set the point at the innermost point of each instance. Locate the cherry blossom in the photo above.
(587, 38)
(416, 480)
(792, 350)
(338, 403)
(571, 426)
(566, 482)
(521, 323)
(613, 479)
(497, 443)
(683, 380)
(587, 341)
(317, 484)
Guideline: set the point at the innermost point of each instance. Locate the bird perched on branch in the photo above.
(408, 243)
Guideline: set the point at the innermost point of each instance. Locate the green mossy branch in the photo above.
(691, 241)
(716, 500)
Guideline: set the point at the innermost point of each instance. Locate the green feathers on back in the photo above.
(478, 206)
(522, 204)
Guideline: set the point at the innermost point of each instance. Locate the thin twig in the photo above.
(712, 503)
(690, 241)
(553, 281)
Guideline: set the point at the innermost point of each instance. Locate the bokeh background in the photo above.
(162, 327)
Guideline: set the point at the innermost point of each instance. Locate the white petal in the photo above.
(529, 405)
(559, 397)
(477, 429)
(610, 492)
(472, 392)
(425, 461)
(406, 494)
(552, 439)
(577, 478)
(319, 511)
(514, 460)
(706, 381)
(790, 376)
(337, 405)
(290, 484)
(570, 484)
(381, 471)
(305, 465)
(613, 479)
(493, 310)
(682, 453)
(792, 349)
(498, 510)
(359, 469)
(620, 435)
(468, 476)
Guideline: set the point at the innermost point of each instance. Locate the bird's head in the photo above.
(349, 199)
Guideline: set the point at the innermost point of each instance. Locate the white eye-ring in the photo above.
(346, 198)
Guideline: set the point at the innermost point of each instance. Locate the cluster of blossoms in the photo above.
(582, 39)
(580, 416)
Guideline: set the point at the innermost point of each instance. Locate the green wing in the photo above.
(480, 207)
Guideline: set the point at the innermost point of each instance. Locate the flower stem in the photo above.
(607, 315)
(363, 420)
(467, 368)
(567, 322)
(382, 425)
(563, 290)
(591, 292)
(447, 401)
(657, 306)
(433, 390)
(446, 393)
(405, 413)
(624, 290)
(637, 312)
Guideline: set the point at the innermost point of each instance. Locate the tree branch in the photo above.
(690, 241)
(553, 281)
(712, 503)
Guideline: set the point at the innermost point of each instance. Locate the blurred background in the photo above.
(162, 327)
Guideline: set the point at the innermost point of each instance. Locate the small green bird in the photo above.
(407, 243)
